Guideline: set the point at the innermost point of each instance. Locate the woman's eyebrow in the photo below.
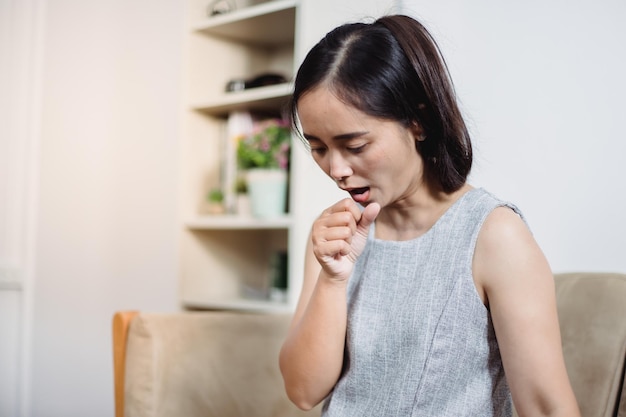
(310, 137)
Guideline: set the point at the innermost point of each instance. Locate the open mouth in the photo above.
(357, 191)
(359, 194)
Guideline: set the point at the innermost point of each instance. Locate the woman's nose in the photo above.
(339, 167)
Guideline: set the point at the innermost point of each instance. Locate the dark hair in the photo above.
(393, 69)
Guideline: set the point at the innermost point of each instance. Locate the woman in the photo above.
(432, 298)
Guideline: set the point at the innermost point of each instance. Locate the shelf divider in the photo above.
(272, 97)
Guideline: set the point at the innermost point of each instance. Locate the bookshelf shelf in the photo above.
(235, 222)
(268, 23)
(268, 98)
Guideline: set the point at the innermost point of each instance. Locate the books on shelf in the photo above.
(239, 123)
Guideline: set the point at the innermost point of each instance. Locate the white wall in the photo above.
(108, 189)
(543, 85)
(10, 320)
(21, 23)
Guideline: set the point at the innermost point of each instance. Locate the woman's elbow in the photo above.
(301, 399)
(298, 392)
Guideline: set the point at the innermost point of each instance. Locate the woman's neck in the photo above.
(416, 215)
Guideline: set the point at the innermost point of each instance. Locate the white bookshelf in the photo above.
(226, 259)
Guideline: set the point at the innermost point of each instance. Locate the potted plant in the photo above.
(266, 147)
(263, 155)
(242, 196)
(215, 198)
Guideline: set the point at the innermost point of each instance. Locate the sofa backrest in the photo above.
(209, 364)
(592, 317)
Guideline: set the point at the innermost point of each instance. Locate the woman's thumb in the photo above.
(369, 215)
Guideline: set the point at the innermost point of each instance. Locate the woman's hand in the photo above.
(339, 236)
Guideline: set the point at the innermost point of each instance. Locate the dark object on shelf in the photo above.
(219, 7)
(279, 270)
(258, 81)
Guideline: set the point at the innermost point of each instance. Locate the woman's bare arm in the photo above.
(514, 278)
(312, 356)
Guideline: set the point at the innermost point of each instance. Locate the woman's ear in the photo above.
(417, 131)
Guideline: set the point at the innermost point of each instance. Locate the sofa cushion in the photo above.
(592, 317)
(206, 364)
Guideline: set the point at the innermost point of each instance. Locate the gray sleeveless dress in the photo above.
(420, 342)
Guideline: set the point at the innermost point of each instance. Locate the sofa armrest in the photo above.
(121, 323)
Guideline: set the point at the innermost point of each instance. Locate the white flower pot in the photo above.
(268, 192)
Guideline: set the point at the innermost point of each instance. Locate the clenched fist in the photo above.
(339, 235)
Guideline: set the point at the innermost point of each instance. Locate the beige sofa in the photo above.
(192, 364)
(592, 315)
(225, 364)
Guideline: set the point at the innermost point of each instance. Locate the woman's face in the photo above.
(374, 159)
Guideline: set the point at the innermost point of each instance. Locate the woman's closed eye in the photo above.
(355, 149)
(321, 150)
(317, 150)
